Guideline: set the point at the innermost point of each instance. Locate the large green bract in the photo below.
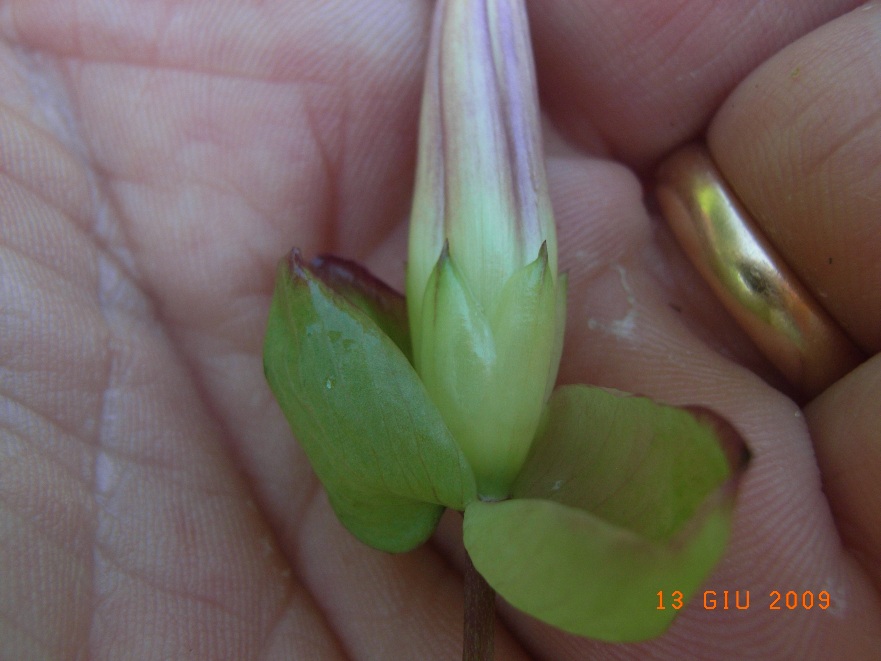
(359, 410)
(619, 498)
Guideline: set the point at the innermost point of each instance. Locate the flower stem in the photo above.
(480, 608)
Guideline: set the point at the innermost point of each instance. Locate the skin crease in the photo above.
(157, 159)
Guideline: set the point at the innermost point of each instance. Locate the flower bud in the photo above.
(485, 304)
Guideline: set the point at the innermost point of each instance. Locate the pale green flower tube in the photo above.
(486, 306)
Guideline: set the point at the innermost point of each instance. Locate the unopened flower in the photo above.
(486, 306)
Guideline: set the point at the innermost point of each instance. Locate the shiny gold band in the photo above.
(748, 276)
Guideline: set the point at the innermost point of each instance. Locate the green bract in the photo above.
(620, 498)
(378, 444)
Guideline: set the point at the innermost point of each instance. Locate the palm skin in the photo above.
(157, 159)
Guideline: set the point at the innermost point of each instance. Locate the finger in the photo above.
(382, 606)
(124, 528)
(631, 325)
(297, 117)
(799, 141)
(602, 227)
(635, 78)
(845, 426)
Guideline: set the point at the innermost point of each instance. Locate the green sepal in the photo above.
(526, 326)
(456, 359)
(619, 499)
(559, 332)
(488, 370)
(360, 412)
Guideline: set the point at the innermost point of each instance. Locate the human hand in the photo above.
(156, 163)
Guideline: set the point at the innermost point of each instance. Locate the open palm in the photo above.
(158, 158)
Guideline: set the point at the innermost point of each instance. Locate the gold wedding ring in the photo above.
(752, 281)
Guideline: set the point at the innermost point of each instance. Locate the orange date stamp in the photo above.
(777, 600)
